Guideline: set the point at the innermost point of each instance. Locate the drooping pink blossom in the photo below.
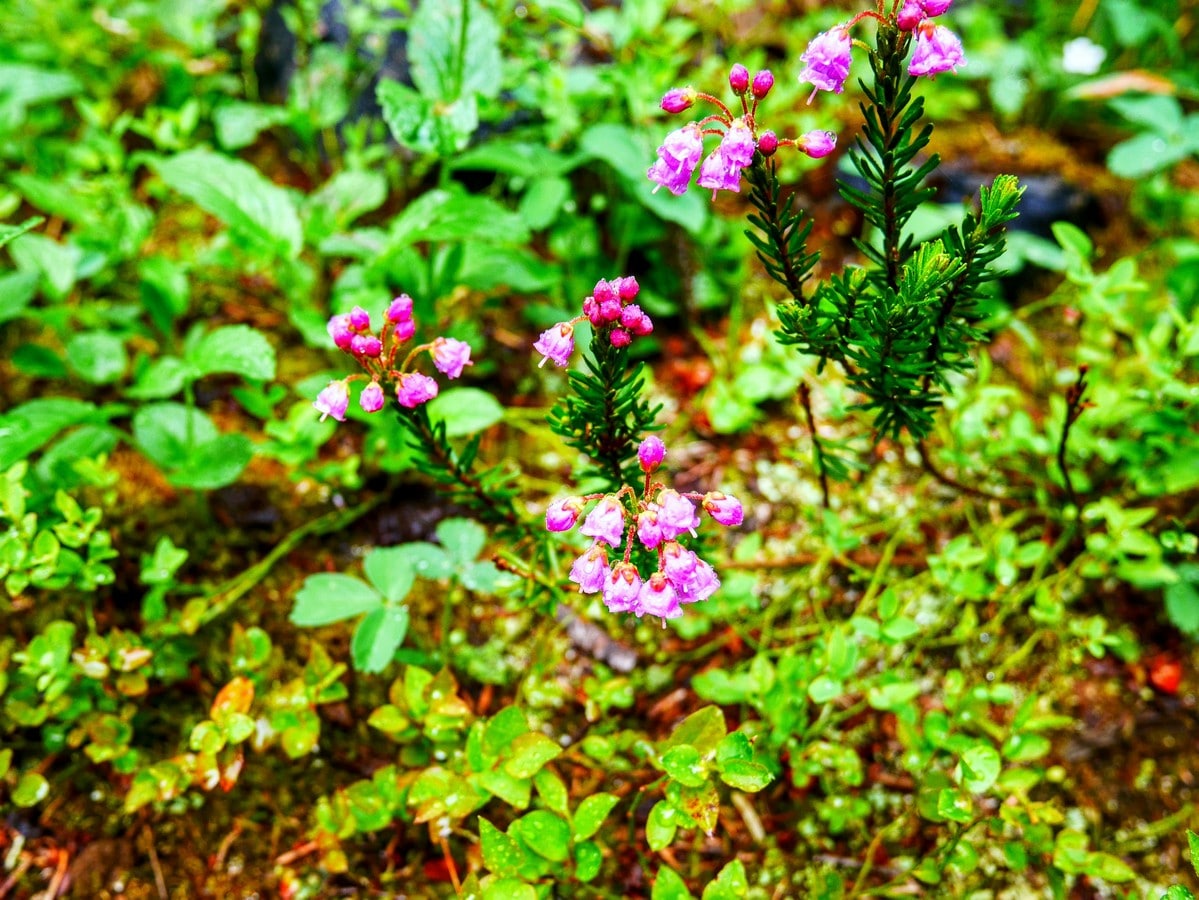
(649, 531)
(658, 598)
(699, 585)
(556, 344)
(826, 61)
(721, 171)
(413, 389)
(622, 587)
(676, 514)
(450, 356)
(371, 399)
(590, 570)
(334, 400)
(605, 522)
(937, 50)
(677, 158)
(677, 562)
(724, 509)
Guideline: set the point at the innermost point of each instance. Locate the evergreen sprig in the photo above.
(902, 322)
(604, 414)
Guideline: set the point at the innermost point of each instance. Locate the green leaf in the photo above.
(9, 232)
(980, 767)
(1109, 868)
(685, 765)
(589, 859)
(444, 215)
(391, 571)
(502, 730)
(443, 66)
(703, 729)
(237, 194)
(332, 597)
(465, 410)
(892, 696)
(377, 637)
(745, 775)
(238, 349)
(669, 885)
(27, 85)
(1193, 844)
(18, 288)
(529, 753)
(1147, 153)
(501, 854)
(545, 834)
(57, 264)
(426, 126)
(239, 124)
(462, 538)
(185, 444)
(214, 464)
(730, 884)
(591, 813)
(30, 426)
(553, 792)
(661, 826)
(97, 357)
(1178, 892)
(31, 790)
(1182, 603)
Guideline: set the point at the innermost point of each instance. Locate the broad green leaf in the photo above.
(553, 792)
(892, 696)
(443, 215)
(501, 854)
(425, 126)
(28, 85)
(1182, 600)
(31, 789)
(443, 66)
(17, 289)
(239, 124)
(591, 813)
(238, 349)
(30, 426)
(391, 571)
(237, 194)
(1157, 113)
(164, 377)
(745, 775)
(341, 200)
(529, 753)
(57, 264)
(589, 859)
(703, 730)
(502, 729)
(97, 357)
(377, 638)
(980, 767)
(1109, 868)
(1147, 153)
(661, 826)
(669, 885)
(730, 883)
(685, 765)
(170, 433)
(465, 410)
(1178, 892)
(545, 833)
(331, 597)
(508, 889)
(214, 464)
(462, 539)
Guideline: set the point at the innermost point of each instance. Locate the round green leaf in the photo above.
(30, 790)
(591, 814)
(545, 834)
(238, 349)
(97, 356)
(377, 637)
(465, 410)
(331, 597)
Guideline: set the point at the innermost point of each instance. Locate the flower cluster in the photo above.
(610, 311)
(656, 521)
(829, 54)
(682, 150)
(826, 67)
(376, 353)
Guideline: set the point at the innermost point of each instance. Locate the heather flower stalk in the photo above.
(376, 353)
(651, 522)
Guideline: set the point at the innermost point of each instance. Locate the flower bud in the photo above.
(651, 453)
(371, 398)
(360, 319)
(763, 82)
(739, 78)
(678, 99)
(620, 337)
(817, 144)
(768, 142)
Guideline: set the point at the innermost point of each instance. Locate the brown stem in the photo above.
(1074, 408)
(805, 399)
(926, 463)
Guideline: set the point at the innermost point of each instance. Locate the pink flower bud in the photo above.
(620, 338)
(933, 8)
(360, 319)
(404, 330)
(341, 332)
(910, 15)
(724, 509)
(651, 453)
(627, 287)
(400, 309)
(450, 356)
(563, 514)
(763, 82)
(366, 345)
(739, 78)
(413, 389)
(817, 144)
(371, 398)
(334, 400)
(605, 291)
(679, 99)
(768, 142)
